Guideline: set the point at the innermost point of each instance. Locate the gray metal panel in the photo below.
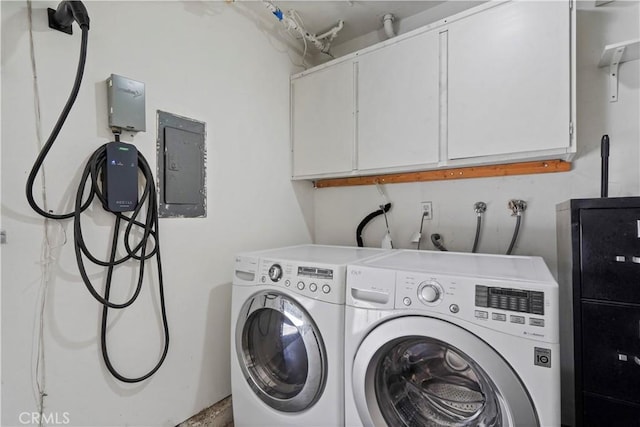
(126, 99)
(181, 163)
(183, 166)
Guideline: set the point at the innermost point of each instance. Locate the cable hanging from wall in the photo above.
(144, 216)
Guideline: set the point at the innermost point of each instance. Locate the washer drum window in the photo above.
(281, 352)
(421, 371)
(425, 382)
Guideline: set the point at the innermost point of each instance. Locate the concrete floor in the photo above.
(218, 415)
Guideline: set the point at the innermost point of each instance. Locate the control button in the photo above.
(482, 314)
(326, 289)
(622, 357)
(430, 292)
(287, 283)
(301, 285)
(516, 319)
(454, 308)
(536, 322)
(406, 301)
(275, 272)
(499, 317)
(620, 258)
(263, 279)
(313, 287)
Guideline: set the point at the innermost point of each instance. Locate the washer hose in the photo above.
(366, 221)
(515, 234)
(477, 238)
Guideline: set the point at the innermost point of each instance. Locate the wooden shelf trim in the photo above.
(522, 168)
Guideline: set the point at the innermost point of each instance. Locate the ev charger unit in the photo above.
(121, 177)
(116, 166)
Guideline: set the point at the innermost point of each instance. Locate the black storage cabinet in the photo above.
(599, 276)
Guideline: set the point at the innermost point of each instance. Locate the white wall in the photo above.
(204, 60)
(339, 210)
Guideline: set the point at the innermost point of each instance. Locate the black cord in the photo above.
(515, 235)
(56, 130)
(366, 221)
(477, 238)
(436, 239)
(424, 214)
(94, 170)
(105, 309)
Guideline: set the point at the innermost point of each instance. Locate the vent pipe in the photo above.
(387, 20)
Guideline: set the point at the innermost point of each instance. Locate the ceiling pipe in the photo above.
(387, 20)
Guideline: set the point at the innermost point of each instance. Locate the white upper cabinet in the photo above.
(398, 104)
(493, 84)
(509, 80)
(323, 123)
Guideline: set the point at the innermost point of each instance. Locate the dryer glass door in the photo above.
(420, 371)
(281, 352)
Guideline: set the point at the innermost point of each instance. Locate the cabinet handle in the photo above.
(635, 259)
(637, 360)
(621, 258)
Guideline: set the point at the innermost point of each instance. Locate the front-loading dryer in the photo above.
(287, 335)
(451, 339)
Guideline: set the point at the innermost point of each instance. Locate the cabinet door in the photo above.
(610, 254)
(323, 123)
(611, 350)
(509, 80)
(398, 104)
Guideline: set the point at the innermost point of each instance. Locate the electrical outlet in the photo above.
(426, 210)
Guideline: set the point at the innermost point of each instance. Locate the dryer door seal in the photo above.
(281, 352)
(418, 370)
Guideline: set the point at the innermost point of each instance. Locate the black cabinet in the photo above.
(599, 276)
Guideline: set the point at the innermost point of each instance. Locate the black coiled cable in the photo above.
(383, 209)
(94, 170)
(436, 239)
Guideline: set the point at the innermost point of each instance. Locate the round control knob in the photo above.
(429, 292)
(275, 272)
(326, 289)
(300, 285)
(313, 287)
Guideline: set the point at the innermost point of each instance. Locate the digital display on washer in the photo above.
(510, 299)
(316, 273)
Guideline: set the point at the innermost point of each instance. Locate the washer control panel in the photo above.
(523, 309)
(322, 282)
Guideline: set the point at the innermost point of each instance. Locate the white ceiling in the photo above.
(360, 17)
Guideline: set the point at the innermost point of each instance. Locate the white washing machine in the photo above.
(287, 335)
(451, 339)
